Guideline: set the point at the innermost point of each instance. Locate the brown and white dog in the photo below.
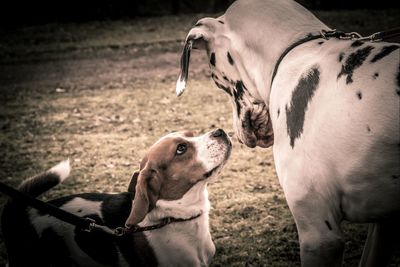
(172, 182)
(330, 108)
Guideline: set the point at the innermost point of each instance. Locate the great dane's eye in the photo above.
(181, 149)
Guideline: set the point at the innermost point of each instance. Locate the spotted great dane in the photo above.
(330, 108)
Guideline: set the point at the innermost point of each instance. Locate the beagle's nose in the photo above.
(218, 133)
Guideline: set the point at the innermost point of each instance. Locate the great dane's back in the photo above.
(329, 106)
(338, 148)
(341, 123)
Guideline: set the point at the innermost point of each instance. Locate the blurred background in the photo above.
(20, 11)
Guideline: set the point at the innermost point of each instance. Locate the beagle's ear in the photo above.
(197, 38)
(133, 182)
(147, 191)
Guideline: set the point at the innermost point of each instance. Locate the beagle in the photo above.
(172, 182)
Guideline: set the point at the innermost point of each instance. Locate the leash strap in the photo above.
(392, 35)
(83, 223)
(389, 35)
(308, 38)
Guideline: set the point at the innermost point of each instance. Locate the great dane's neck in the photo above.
(284, 22)
(243, 47)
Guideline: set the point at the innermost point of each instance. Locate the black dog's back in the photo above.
(101, 247)
(114, 208)
(33, 238)
(52, 248)
(20, 237)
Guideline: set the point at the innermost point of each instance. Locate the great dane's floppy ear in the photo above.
(133, 182)
(147, 190)
(185, 60)
(197, 38)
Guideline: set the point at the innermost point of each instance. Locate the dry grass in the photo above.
(104, 94)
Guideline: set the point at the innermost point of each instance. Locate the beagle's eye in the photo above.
(181, 148)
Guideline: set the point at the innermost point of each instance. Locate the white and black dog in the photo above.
(330, 108)
(171, 183)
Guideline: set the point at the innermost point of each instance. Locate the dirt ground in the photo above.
(100, 93)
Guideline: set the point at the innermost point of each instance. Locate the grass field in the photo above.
(100, 93)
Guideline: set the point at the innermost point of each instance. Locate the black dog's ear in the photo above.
(133, 182)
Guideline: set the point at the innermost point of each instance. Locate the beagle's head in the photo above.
(173, 165)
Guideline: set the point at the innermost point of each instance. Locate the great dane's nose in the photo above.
(218, 133)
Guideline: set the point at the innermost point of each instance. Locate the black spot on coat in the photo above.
(398, 82)
(226, 89)
(320, 43)
(386, 50)
(246, 122)
(278, 112)
(301, 96)
(341, 55)
(359, 95)
(238, 95)
(357, 43)
(212, 59)
(354, 61)
(376, 75)
(230, 59)
(240, 88)
(328, 225)
(220, 21)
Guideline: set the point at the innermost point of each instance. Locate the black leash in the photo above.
(389, 35)
(83, 223)
(392, 35)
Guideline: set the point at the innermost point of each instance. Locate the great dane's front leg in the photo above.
(318, 224)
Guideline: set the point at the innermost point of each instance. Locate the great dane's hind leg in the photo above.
(320, 235)
(383, 238)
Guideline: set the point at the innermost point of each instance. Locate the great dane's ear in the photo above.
(147, 190)
(133, 182)
(197, 38)
(185, 60)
